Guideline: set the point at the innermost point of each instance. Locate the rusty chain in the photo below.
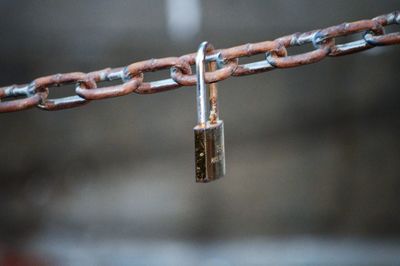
(132, 76)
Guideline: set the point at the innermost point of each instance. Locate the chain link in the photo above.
(133, 76)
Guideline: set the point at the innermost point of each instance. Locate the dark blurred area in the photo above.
(313, 153)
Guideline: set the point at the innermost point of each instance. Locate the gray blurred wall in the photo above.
(310, 151)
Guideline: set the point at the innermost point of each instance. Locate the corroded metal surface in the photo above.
(209, 151)
(208, 134)
(133, 75)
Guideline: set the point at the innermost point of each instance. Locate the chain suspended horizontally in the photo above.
(132, 76)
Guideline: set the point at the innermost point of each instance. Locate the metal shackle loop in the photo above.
(201, 93)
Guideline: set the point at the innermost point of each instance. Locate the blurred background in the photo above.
(312, 153)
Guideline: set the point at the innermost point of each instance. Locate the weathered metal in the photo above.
(209, 151)
(209, 131)
(133, 76)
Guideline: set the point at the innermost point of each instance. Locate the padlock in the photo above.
(209, 133)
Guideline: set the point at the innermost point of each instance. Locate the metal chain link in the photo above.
(133, 76)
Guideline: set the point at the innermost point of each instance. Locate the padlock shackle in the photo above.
(201, 95)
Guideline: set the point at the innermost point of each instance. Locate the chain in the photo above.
(132, 76)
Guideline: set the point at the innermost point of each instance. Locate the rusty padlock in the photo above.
(208, 133)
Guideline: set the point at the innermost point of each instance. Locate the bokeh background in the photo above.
(312, 153)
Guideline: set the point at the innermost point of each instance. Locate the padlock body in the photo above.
(209, 151)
